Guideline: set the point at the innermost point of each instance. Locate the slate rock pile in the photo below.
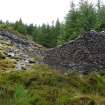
(84, 54)
(24, 52)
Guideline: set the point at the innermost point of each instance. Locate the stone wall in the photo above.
(84, 54)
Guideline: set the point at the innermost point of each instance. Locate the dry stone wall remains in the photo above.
(84, 54)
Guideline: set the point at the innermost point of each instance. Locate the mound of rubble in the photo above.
(84, 54)
(18, 53)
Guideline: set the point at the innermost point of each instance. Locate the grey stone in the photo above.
(84, 54)
(20, 49)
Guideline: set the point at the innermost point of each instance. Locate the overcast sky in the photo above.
(34, 11)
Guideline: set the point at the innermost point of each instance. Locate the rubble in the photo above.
(23, 51)
(84, 54)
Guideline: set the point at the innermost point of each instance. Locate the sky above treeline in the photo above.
(35, 11)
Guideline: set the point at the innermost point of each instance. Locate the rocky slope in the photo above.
(18, 53)
(85, 54)
(44, 86)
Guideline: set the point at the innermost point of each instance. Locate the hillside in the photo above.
(44, 86)
(46, 60)
(18, 53)
(26, 80)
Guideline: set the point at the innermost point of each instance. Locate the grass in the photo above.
(7, 64)
(44, 86)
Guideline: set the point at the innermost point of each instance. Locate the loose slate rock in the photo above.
(84, 54)
(23, 51)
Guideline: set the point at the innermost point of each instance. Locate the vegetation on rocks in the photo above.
(26, 80)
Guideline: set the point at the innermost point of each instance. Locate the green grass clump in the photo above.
(44, 86)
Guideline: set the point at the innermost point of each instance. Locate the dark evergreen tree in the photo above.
(20, 27)
(79, 20)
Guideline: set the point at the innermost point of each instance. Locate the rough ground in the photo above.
(45, 86)
(85, 54)
(17, 52)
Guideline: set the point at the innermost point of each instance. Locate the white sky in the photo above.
(34, 11)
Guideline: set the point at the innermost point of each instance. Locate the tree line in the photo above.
(84, 17)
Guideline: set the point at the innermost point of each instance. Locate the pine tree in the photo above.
(87, 16)
(72, 23)
(20, 27)
(79, 20)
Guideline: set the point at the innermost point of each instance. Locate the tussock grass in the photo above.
(44, 86)
(7, 64)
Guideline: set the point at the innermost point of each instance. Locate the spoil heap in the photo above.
(84, 54)
(18, 53)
